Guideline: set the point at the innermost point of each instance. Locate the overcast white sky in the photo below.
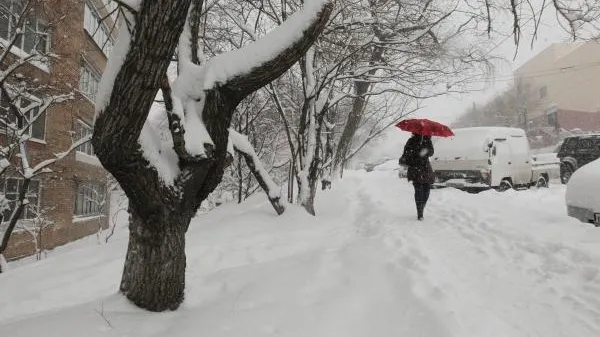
(449, 107)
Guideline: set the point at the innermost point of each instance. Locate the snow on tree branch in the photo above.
(43, 165)
(157, 147)
(242, 145)
(196, 139)
(249, 61)
(115, 62)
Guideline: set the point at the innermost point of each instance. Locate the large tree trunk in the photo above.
(154, 272)
(309, 201)
(352, 124)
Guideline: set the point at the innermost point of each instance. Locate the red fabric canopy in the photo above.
(425, 127)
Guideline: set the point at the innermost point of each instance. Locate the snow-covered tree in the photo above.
(167, 177)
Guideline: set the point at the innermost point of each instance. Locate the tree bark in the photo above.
(262, 181)
(15, 215)
(154, 272)
(352, 124)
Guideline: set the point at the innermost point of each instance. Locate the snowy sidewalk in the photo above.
(494, 264)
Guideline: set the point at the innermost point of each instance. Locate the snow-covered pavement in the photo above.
(492, 264)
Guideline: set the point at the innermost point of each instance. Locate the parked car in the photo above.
(577, 151)
(370, 166)
(546, 163)
(489, 157)
(388, 165)
(583, 196)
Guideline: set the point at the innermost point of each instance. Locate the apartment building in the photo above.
(81, 34)
(565, 78)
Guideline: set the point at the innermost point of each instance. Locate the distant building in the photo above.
(565, 77)
(72, 194)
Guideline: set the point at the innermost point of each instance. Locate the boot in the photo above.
(420, 209)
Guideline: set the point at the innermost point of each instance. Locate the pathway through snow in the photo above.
(482, 265)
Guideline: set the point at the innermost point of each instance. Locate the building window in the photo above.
(89, 200)
(111, 7)
(34, 37)
(33, 120)
(88, 82)
(82, 130)
(11, 187)
(552, 119)
(543, 92)
(93, 25)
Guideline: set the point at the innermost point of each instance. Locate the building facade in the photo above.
(564, 79)
(74, 196)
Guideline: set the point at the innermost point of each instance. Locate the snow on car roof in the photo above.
(471, 142)
(583, 187)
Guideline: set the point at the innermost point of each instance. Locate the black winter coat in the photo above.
(416, 155)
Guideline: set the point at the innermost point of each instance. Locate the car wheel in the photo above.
(541, 182)
(505, 185)
(566, 173)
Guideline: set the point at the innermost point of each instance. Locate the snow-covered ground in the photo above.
(492, 264)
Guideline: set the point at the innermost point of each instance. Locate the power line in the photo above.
(535, 74)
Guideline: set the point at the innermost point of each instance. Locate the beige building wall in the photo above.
(564, 74)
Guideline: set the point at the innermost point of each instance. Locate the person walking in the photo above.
(416, 155)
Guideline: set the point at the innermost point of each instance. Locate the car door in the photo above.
(520, 161)
(501, 162)
(595, 153)
(586, 151)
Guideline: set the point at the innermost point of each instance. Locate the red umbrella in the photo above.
(425, 127)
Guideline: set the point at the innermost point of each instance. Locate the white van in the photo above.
(486, 157)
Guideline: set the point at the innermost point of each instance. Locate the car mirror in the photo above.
(494, 151)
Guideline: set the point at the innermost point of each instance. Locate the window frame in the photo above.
(543, 92)
(92, 74)
(82, 207)
(97, 30)
(83, 148)
(43, 118)
(27, 212)
(42, 29)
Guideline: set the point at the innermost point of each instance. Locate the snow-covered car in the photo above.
(391, 165)
(481, 158)
(583, 193)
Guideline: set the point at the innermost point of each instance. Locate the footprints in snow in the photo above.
(567, 274)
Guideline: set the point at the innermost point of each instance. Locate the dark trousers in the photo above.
(421, 197)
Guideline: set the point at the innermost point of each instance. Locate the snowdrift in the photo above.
(491, 264)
